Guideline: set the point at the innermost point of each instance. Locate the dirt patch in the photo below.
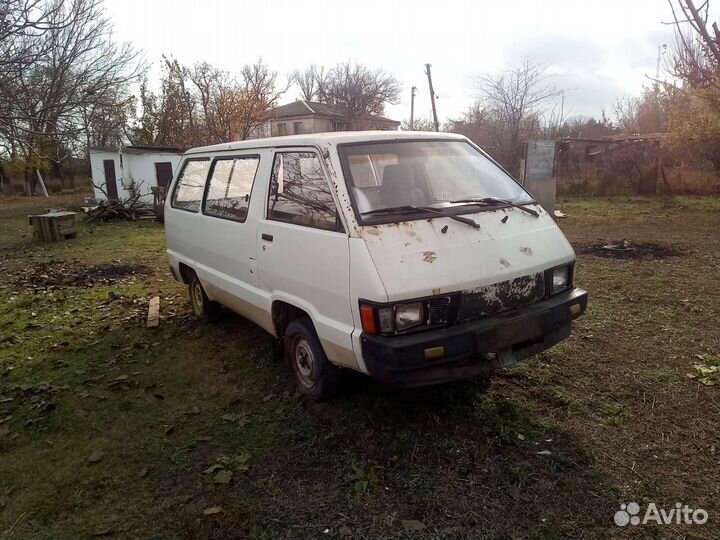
(627, 250)
(55, 276)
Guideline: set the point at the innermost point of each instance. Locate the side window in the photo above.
(229, 187)
(299, 192)
(188, 192)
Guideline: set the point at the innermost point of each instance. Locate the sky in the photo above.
(596, 51)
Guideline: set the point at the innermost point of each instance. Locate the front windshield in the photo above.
(424, 173)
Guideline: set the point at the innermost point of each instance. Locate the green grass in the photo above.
(545, 450)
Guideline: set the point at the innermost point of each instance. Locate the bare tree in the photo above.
(360, 91)
(516, 98)
(626, 111)
(259, 93)
(419, 124)
(313, 82)
(475, 124)
(206, 105)
(50, 104)
(697, 51)
(22, 22)
(306, 80)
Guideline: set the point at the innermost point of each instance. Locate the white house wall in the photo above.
(97, 157)
(139, 168)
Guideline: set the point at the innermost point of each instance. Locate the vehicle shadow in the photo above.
(485, 457)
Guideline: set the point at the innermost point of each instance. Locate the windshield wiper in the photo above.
(395, 209)
(494, 200)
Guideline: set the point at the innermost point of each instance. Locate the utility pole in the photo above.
(661, 50)
(412, 107)
(432, 97)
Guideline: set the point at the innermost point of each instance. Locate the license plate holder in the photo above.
(515, 332)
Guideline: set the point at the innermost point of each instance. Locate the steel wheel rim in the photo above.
(304, 362)
(196, 298)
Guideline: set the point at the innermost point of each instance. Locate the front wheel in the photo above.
(315, 376)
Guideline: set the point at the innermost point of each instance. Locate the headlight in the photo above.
(560, 279)
(409, 315)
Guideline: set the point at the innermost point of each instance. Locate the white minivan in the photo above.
(411, 257)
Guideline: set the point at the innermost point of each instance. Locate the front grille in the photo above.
(500, 297)
(438, 311)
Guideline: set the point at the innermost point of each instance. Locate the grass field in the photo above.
(109, 429)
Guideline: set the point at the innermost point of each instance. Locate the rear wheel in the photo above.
(315, 376)
(202, 307)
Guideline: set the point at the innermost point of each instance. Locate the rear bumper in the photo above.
(465, 350)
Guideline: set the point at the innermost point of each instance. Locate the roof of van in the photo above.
(337, 137)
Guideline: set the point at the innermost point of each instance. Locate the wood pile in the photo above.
(129, 210)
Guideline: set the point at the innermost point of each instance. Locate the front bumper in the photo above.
(472, 348)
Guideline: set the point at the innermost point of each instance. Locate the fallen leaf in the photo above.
(412, 525)
(212, 510)
(213, 468)
(96, 456)
(223, 477)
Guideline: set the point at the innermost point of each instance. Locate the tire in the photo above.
(203, 308)
(314, 375)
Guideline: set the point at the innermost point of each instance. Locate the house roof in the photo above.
(139, 149)
(302, 107)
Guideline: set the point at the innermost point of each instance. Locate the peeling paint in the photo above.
(429, 256)
(526, 251)
(499, 297)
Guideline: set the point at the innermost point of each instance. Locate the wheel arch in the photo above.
(283, 313)
(186, 273)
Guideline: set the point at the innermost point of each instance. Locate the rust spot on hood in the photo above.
(429, 256)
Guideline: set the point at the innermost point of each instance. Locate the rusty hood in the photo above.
(439, 255)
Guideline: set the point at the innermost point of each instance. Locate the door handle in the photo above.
(267, 237)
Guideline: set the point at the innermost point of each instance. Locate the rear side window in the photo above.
(300, 194)
(191, 185)
(229, 187)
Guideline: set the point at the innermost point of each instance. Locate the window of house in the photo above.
(229, 187)
(299, 192)
(282, 128)
(190, 185)
(297, 128)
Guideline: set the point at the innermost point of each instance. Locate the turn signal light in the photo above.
(367, 316)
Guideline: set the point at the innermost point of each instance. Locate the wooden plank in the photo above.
(153, 317)
(42, 184)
